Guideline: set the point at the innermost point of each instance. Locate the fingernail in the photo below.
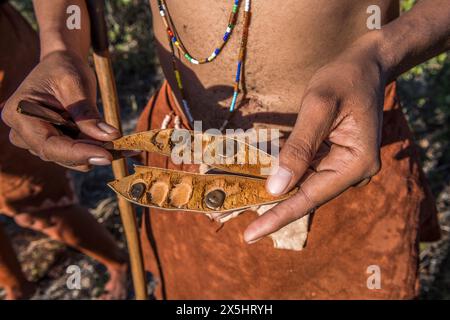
(97, 161)
(279, 181)
(106, 128)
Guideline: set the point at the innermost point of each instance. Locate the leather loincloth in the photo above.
(27, 184)
(378, 224)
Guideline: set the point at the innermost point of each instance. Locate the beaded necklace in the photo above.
(175, 41)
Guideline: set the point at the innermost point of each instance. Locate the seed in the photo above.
(214, 199)
(137, 190)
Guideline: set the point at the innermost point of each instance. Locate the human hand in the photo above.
(341, 114)
(64, 82)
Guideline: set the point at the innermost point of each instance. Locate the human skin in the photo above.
(28, 191)
(312, 64)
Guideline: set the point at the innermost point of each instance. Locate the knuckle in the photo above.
(374, 168)
(12, 138)
(321, 101)
(277, 213)
(43, 151)
(6, 114)
(310, 203)
(298, 150)
(70, 80)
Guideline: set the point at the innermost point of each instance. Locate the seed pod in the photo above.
(175, 190)
(222, 152)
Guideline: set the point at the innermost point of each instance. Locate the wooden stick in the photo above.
(108, 91)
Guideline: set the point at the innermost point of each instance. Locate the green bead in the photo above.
(187, 56)
(234, 8)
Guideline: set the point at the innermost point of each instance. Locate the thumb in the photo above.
(313, 124)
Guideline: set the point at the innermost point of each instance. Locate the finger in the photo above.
(313, 124)
(335, 174)
(17, 140)
(73, 153)
(78, 97)
(363, 183)
(116, 154)
(321, 153)
(49, 144)
(88, 120)
(119, 154)
(81, 168)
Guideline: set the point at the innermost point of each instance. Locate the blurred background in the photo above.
(424, 91)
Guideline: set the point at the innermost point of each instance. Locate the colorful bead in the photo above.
(174, 42)
(233, 101)
(178, 77)
(187, 111)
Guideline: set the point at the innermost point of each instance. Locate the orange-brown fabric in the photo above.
(376, 224)
(27, 184)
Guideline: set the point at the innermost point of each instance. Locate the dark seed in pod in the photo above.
(137, 190)
(214, 199)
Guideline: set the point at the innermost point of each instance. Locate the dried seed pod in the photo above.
(172, 190)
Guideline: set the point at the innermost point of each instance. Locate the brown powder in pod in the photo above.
(162, 140)
(159, 190)
(181, 194)
(218, 183)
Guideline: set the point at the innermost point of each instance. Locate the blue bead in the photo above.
(216, 52)
(226, 36)
(238, 72)
(233, 101)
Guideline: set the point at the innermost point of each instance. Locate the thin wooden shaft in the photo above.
(111, 109)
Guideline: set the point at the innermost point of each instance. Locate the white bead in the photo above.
(166, 121)
(212, 56)
(177, 122)
(247, 5)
